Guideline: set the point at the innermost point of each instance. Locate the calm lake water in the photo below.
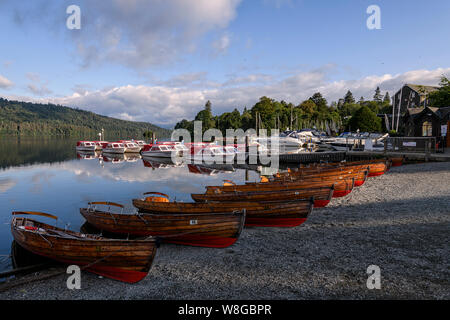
(50, 176)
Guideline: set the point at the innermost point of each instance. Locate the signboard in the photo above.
(409, 144)
(444, 130)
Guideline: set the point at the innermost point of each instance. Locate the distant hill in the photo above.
(32, 119)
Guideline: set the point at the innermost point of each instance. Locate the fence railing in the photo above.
(412, 144)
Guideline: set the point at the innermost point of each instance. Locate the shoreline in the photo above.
(398, 221)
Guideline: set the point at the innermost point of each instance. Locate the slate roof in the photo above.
(442, 113)
(422, 90)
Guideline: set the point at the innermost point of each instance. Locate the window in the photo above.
(427, 129)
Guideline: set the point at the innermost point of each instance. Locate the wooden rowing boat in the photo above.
(321, 195)
(341, 186)
(377, 167)
(360, 175)
(258, 214)
(216, 230)
(397, 162)
(124, 260)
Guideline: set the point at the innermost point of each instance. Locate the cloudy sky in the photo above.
(161, 60)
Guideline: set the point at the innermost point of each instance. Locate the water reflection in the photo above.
(19, 151)
(50, 176)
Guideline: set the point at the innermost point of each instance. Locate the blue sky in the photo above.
(159, 61)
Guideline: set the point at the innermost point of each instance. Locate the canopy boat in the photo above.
(114, 147)
(215, 230)
(161, 151)
(86, 146)
(100, 144)
(258, 214)
(213, 154)
(124, 260)
(322, 196)
(131, 147)
(140, 143)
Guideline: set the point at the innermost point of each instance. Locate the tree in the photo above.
(387, 98)
(320, 102)
(308, 107)
(365, 120)
(349, 97)
(206, 117)
(441, 97)
(377, 96)
(361, 100)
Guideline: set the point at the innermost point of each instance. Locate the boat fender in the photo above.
(156, 199)
(264, 179)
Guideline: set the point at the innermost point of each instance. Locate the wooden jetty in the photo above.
(334, 156)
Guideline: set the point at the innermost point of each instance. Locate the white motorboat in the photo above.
(100, 144)
(161, 151)
(289, 139)
(348, 140)
(114, 147)
(131, 147)
(85, 146)
(213, 154)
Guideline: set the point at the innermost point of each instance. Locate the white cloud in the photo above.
(6, 184)
(221, 45)
(143, 33)
(5, 83)
(164, 105)
(36, 86)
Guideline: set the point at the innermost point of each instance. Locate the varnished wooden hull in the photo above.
(123, 260)
(341, 187)
(358, 174)
(258, 214)
(321, 195)
(397, 162)
(217, 230)
(376, 167)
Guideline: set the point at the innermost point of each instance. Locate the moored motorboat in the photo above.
(124, 260)
(114, 147)
(85, 146)
(160, 151)
(262, 214)
(100, 144)
(131, 147)
(217, 230)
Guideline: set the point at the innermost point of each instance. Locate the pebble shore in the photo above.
(399, 221)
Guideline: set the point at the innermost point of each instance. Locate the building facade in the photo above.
(428, 122)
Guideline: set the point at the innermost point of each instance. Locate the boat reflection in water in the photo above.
(161, 163)
(113, 157)
(210, 169)
(132, 157)
(86, 155)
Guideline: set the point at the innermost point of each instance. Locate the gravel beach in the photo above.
(399, 221)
